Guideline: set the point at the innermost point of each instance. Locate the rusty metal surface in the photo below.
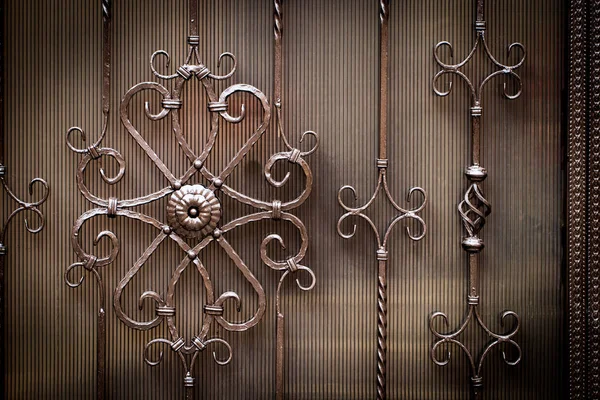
(331, 85)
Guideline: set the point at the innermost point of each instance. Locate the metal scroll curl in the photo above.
(474, 209)
(193, 210)
(23, 206)
(403, 214)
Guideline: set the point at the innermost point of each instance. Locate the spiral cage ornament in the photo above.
(194, 211)
(473, 210)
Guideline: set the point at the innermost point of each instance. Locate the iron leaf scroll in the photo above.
(403, 214)
(194, 210)
(475, 208)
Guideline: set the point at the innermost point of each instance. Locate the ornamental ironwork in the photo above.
(475, 208)
(193, 210)
(403, 214)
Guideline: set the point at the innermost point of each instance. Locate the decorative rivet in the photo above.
(176, 185)
(198, 164)
(193, 212)
(217, 233)
(218, 182)
(167, 230)
(192, 254)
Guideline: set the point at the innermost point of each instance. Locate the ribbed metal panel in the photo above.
(52, 82)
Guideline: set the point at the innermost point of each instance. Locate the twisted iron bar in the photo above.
(474, 209)
(404, 214)
(193, 210)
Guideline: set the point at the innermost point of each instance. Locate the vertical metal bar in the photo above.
(473, 210)
(101, 341)
(480, 9)
(101, 317)
(473, 275)
(476, 135)
(476, 110)
(193, 15)
(277, 94)
(2, 325)
(106, 60)
(384, 12)
(278, 34)
(280, 326)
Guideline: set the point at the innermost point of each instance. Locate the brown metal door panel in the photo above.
(52, 55)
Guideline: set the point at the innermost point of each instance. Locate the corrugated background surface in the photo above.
(53, 75)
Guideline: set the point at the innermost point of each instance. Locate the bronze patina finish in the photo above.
(474, 209)
(194, 210)
(382, 186)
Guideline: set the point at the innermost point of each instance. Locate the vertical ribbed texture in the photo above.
(53, 81)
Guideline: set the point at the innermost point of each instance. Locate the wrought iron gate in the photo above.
(200, 199)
